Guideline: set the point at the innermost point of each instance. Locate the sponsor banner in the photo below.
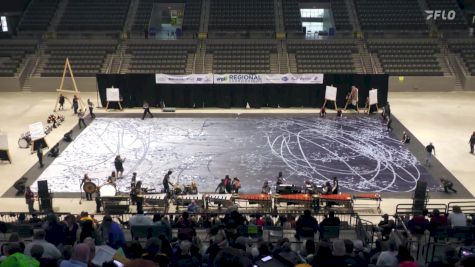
(268, 78)
(184, 79)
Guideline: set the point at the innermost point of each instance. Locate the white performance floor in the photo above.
(446, 119)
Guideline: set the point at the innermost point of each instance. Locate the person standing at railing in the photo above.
(30, 199)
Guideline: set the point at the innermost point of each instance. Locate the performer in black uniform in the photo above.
(61, 101)
(280, 179)
(166, 182)
(118, 163)
(75, 104)
(84, 180)
(335, 187)
(146, 109)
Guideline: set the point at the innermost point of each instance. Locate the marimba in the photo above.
(368, 197)
(185, 200)
(343, 199)
(218, 199)
(264, 201)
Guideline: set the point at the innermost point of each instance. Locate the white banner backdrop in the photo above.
(184, 79)
(268, 78)
(239, 78)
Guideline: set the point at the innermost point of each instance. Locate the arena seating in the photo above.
(192, 16)
(12, 54)
(292, 17)
(86, 57)
(384, 15)
(159, 57)
(459, 23)
(334, 56)
(242, 57)
(466, 50)
(38, 15)
(242, 15)
(144, 10)
(413, 57)
(94, 15)
(341, 16)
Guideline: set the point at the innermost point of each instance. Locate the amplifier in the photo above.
(169, 109)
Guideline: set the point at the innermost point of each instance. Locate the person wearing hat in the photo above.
(388, 258)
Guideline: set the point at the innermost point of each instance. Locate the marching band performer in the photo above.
(84, 180)
(119, 167)
(266, 188)
(166, 182)
(30, 199)
(280, 179)
(336, 187)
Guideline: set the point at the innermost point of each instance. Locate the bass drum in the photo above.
(23, 142)
(108, 190)
(89, 187)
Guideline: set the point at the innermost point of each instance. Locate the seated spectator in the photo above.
(457, 218)
(309, 251)
(164, 227)
(140, 219)
(80, 258)
(323, 255)
(140, 263)
(418, 224)
(284, 252)
(307, 225)
(339, 258)
(37, 254)
(34, 220)
(437, 220)
(352, 259)
(360, 251)
(50, 250)
(133, 250)
(192, 207)
(15, 257)
(386, 225)
(186, 228)
(184, 257)
(449, 260)
(468, 261)
(388, 258)
(165, 246)
(404, 255)
(152, 248)
(71, 230)
(15, 238)
(230, 257)
(67, 252)
(87, 230)
(331, 220)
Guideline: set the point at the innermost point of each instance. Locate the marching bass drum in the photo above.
(89, 187)
(23, 142)
(107, 190)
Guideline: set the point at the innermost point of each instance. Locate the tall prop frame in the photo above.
(372, 100)
(62, 90)
(353, 98)
(332, 98)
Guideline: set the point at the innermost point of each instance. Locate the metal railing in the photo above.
(467, 207)
(407, 209)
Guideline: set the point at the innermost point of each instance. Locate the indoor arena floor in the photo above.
(446, 119)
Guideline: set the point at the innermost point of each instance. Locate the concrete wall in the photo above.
(50, 84)
(9, 84)
(421, 83)
(468, 83)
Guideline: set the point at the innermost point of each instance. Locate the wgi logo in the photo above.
(440, 14)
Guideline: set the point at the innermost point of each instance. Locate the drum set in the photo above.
(187, 189)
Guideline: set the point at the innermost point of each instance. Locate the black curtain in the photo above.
(136, 88)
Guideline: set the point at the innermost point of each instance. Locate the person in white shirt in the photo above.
(80, 258)
(388, 258)
(457, 218)
(140, 219)
(50, 250)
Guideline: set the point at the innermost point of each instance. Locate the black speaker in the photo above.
(420, 197)
(43, 191)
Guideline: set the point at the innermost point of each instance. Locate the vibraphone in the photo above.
(249, 202)
(217, 200)
(294, 202)
(155, 202)
(185, 200)
(367, 198)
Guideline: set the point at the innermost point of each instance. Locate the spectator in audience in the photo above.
(360, 251)
(468, 261)
(37, 253)
(71, 230)
(140, 263)
(437, 220)
(115, 236)
(15, 257)
(307, 225)
(50, 250)
(186, 228)
(331, 220)
(80, 258)
(92, 247)
(133, 250)
(457, 217)
(404, 255)
(388, 258)
(87, 230)
(228, 257)
(449, 260)
(323, 255)
(55, 231)
(386, 225)
(419, 223)
(184, 257)
(351, 258)
(192, 207)
(339, 258)
(163, 226)
(67, 252)
(140, 219)
(15, 238)
(152, 248)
